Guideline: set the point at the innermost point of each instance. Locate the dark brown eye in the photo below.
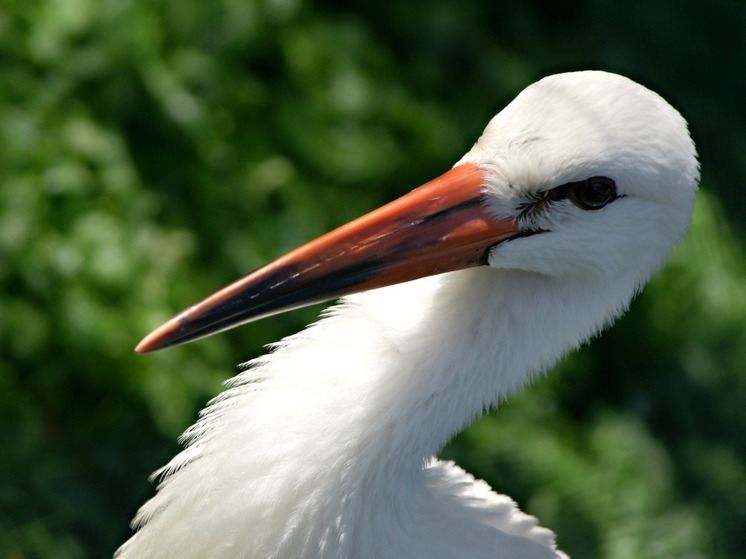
(592, 194)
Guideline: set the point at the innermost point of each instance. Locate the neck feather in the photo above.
(361, 402)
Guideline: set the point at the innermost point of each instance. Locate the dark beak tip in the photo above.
(159, 338)
(145, 346)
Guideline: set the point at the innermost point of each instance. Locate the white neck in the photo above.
(467, 340)
(337, 428)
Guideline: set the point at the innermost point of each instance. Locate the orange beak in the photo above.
(439, 227)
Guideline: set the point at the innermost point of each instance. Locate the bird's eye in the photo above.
(593, 193)
(590, 194)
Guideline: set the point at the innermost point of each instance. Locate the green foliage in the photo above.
(151, 151)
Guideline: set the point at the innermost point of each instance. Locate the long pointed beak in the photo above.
(439, 227)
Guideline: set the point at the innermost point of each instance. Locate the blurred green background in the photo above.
(151, 151)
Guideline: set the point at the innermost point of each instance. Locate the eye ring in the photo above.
(593, 193)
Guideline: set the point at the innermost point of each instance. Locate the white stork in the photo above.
(533, 242)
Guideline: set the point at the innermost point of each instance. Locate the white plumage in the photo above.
(325, 448)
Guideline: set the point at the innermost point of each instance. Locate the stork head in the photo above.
(584, 175)
(603, 164)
